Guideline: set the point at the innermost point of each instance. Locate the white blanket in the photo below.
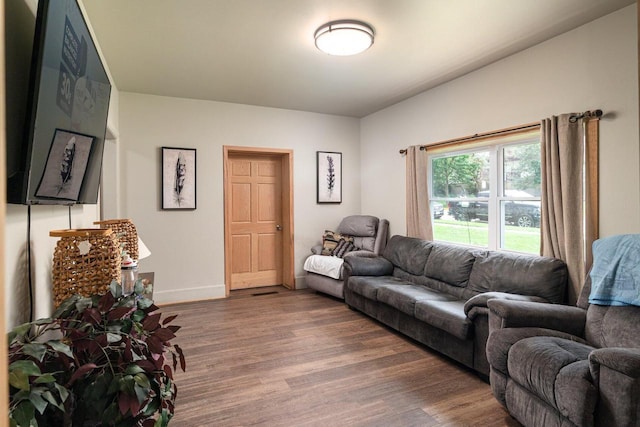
(325, 265)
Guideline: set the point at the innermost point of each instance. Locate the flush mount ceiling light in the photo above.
(345, 37)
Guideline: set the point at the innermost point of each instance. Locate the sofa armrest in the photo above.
(367, 266)
(616, 374)
(480, 300)
(518, 314)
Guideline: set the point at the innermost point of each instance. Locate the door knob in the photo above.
(278, 227)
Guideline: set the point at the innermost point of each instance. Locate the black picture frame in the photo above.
(329, 177)
(178, 178)
(66, 165)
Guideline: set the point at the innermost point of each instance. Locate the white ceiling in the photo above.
(261, 52)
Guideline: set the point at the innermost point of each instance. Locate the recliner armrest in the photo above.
(519, 314)
(616, 375)
(623, 360)
(361, 253)
(367, 266)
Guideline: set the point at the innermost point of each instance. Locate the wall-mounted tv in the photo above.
(60, 156)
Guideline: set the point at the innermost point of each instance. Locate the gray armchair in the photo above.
(369, 235)
(553, 365)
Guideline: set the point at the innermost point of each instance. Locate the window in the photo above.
(487, 193)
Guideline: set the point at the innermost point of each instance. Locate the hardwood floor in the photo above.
(274, 357)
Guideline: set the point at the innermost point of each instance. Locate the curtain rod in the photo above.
(574, 118)
(595, 114)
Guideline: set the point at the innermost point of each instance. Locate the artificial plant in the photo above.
(98, 360)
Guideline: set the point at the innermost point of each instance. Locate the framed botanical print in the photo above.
(329, 176)
(178, 178)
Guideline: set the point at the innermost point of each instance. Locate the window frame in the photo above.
(497, 198)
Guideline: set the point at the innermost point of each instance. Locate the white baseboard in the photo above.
(189, 294)
(201, 293)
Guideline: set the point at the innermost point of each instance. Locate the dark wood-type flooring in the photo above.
(273, 357)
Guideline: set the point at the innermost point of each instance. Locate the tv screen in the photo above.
(69, 90)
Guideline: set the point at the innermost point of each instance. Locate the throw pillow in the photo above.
(330, 240)
(343, 248)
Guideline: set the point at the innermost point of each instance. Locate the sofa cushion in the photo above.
(365, 243)
(535, 363)
(446, 315)
(519, 274)
(450, 264)
(404, 297)
(408, 253)
(368, 286)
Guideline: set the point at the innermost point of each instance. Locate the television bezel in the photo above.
(21, 183)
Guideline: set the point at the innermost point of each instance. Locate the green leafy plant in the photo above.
(99, 360)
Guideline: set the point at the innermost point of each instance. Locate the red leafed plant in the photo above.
(97, 361)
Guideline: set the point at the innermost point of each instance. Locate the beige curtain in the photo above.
(563, 197)
(418, 215)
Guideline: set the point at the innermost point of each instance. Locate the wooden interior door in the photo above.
(255, 220)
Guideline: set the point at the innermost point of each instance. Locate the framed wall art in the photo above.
(329, 170)
(66, 166)
(178, 178)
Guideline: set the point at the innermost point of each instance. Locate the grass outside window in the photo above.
(518, 239)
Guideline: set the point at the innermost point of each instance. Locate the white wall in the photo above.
(188, 246)
(594, 66)
(43, 220)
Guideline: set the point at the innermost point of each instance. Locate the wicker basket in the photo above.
(81, 268)
(126, 232)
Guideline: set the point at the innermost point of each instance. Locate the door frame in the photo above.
(286, 157)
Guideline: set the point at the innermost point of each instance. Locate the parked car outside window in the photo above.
(516, 212)
(437, 209)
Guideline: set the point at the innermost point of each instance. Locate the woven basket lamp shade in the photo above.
(125, 231)
(85, 262)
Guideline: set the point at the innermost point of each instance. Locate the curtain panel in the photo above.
(417, 208)
(565, 199)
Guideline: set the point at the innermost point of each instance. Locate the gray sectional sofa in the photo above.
(437, 293)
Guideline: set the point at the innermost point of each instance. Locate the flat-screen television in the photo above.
(60, 155)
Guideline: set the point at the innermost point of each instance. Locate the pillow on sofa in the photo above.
(343, 248)
(330, 240)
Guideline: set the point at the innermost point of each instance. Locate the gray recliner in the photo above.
(369, 235)
(555, 365)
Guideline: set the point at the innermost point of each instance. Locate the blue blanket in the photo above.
(615, 275)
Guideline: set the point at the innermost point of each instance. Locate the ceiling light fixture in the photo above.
(345, 37)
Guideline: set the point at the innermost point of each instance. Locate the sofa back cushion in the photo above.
(613, 326)
(362, 228)
(519, 274)
(434, 284)
(408, 253)
(449, 263)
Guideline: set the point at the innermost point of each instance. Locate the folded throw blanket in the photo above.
(615, 275)
(330, 266)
